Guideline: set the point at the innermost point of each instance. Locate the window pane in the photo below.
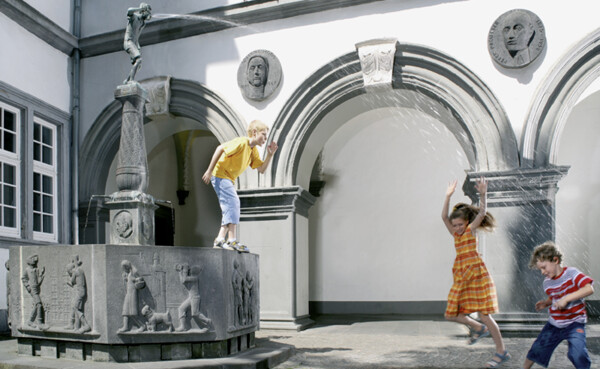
(47, 187)
(48, 227)
(10, 217)
(47, 155)
(9, 196)
(47, 136)
(37, 202)
(9, 174)
(37, 183)
(9, 142)
(47, 205)
(37, 222)
(37, 152)
(9, 120)
(37, 136)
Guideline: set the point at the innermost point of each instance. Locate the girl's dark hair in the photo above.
(469, 212)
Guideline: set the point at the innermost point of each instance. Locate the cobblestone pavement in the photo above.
(335, 343)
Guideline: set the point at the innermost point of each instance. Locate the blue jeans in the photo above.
(550, 337)
(228, 199)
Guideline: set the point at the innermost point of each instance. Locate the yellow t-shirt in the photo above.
(237, 156)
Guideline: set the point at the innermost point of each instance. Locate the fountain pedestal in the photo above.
(141, 303)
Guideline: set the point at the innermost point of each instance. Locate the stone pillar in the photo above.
(132, 167)
(523, 202)
(274, 224)
(131, 209)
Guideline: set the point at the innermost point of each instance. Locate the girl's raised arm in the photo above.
(481, 187)
(446, 207)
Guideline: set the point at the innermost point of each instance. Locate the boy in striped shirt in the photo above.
(566, 287)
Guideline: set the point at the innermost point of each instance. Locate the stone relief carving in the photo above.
(516, 38)
(155, 320)
(136, 21)
(159, 96)
(32, 279)
(133, 282)
(248, 299)
(190, 307)
(377, 62)
(244, 298)
(78, 283)
(123, 224)
(259, 75)
(237, 284)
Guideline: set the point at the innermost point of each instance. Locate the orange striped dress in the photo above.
(473, 289)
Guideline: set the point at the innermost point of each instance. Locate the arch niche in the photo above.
(470, 111)
(200, 108)
(422, 79)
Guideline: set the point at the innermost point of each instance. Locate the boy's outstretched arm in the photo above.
(215, 158)
(584, 291)
(270, 152)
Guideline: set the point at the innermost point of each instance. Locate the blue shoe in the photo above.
(497, 364)
(477, 335)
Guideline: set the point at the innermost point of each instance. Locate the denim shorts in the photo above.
(550, 337)
(228, 199)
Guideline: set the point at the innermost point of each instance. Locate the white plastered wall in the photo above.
(450, 27)
(58, 11)
(33, 66)
(578, 199)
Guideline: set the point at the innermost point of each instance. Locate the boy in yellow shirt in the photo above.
(229, 161)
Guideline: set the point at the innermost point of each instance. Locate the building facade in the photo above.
(376, 107)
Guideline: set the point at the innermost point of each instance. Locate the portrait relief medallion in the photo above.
(516, 38)
(259, 75)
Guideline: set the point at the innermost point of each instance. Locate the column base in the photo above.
(293, 324)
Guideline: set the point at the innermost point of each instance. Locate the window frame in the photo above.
(42, 169)
(32, 109)
(12, 159)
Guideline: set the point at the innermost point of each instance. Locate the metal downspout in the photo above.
(76, 59)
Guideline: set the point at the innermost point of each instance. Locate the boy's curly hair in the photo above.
(545, 252)
(469, 212)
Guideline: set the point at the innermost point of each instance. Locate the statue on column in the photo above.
(136, 21)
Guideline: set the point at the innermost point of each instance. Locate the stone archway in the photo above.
(556, 98)
(481, 126)
(186, 99)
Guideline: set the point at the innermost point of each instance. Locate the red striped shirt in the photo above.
(569, 281)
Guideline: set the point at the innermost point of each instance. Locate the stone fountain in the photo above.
(130, 300)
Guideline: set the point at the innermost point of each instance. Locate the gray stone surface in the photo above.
(266, 355)
(360, 342)
(199, 298)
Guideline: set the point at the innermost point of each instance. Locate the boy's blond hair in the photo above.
(545, 252)
(258, 126)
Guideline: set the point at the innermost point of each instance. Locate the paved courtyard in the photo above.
(336, 342)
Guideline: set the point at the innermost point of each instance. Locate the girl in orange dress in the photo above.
(473, 290)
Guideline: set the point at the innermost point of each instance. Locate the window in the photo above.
(44, 181)
(9, 171)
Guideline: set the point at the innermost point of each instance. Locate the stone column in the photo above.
(131, 209)
(132, 168)
(274, 224)
(523, 202)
